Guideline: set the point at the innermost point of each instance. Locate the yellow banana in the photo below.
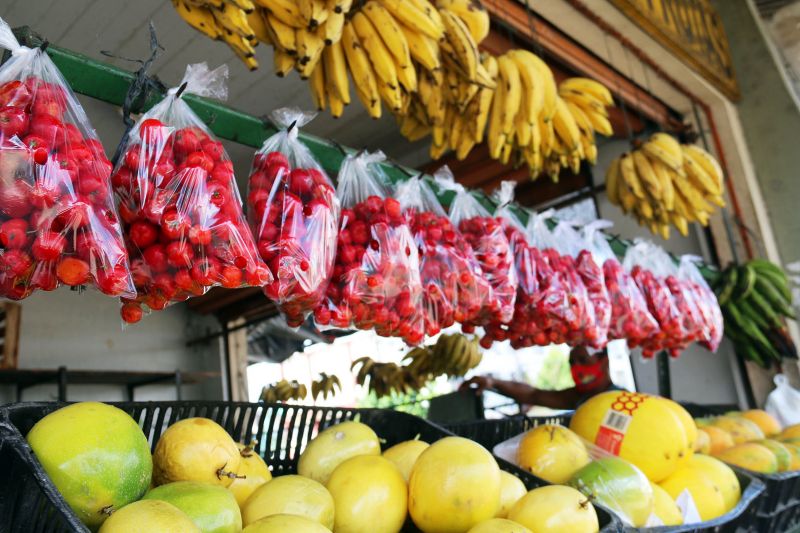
(333, 28)
(590, 87)
(245, 5)
(317, 84)
(664, 175)
(666, 149)
(698, 175)
(313, 12)
(283, 36)
(283, 62)
(472, 13)
(409, 13)
(646, 174)
(287, 11)
(309, 50)
(630, 177)
(257, 19)
(496, 137)
(364, 77)
(464, 48)
(484, 101)
(565, 126)
(338, 6)
(550, 89)
(379, 55)
(680, 223)
(612, 182)
(336, 104)
(706, 162)
(234, 20)
(199, 18)
(336, 72)
(422, 48)
(390, 32)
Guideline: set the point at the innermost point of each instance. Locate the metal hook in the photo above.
(339, 147)
(44, 45)
(291, 126)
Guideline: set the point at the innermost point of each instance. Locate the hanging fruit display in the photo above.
(420, 60)
(325, 385)
(755, 299)
(284, 391)
(663, 183)
(452, 355)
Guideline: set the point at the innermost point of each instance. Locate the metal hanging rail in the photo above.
(111, 84)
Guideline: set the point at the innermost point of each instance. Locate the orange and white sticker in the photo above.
(617, 420)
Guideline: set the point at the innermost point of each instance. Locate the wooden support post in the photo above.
(237, 361)
(12, 317)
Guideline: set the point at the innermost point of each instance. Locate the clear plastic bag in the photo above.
(487, 237)
(376, 275)
(180, 206)
(58, 225)
(630, 317)
(709, 315)
(294, 216)
(652, 269)
(784, 402)
(523, 330)
(586, 285)
(455, 289)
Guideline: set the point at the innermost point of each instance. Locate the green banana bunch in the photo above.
(755, 298)
(283, 391)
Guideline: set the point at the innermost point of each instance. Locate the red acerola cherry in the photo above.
(13, 233)
(48, 246)
(180, 254)
(131, 312)
(15, 263)
(72, 271)
(156, 257)
(142, 234)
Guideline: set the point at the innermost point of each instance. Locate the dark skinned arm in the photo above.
(523, 393)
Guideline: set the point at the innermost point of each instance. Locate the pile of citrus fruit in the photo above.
(199, 479)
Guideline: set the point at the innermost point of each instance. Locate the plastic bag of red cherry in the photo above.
(630, 317)
(709, 315)
(376, 277)
(655, 272)
(487, 238)
(58, 225)
(455, 289)
(181, 211)
(294, 216)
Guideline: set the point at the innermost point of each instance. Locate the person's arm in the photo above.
(523, 393)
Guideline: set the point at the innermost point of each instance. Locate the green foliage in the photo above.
(554, 373)
(415, 403)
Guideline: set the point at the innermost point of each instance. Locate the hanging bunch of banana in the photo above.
(755, 298)
(388, 378)
(325, 385)
(235, 22)
(663, 183)
(283, 391)
(452, 355)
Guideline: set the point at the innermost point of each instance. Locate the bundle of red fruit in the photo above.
(57, 219)
(376, 280)
(181, 210)
(655, 275)
(294, 215)
(486, 237)
(630, 317)
(523, 330)
(454, 287)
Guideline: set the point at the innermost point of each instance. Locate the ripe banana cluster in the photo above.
(755, 298)
(452, 355)
(283, 391)
(325, 385)
(299, 30)
(237, 23)
(663, 183)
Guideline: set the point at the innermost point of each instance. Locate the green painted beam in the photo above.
(111, 84)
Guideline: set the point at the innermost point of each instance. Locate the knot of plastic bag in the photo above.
(780, 380)
(291, 119)
(202, 81)
(445, 180)
(504, 194)
(414, 193)
(9, 42)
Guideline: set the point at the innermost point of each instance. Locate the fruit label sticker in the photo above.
(616, 421)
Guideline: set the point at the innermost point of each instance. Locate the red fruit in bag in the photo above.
(14, 200)
(185, 141)
(180, 254)
(156, 258)
(13, 233)
(142, 234)
(150, 130)
(72, 271)
(206, 271)
(131, 312)
(14, 93)
(213, 149)
(15, 263)
(49, 128)
(174, 225)
(48, 246)
(13, 122)
(112, 281)
(199, 159)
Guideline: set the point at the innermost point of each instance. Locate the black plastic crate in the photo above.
(490, 433)
(282, 431)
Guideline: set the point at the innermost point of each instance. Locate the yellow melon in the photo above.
(665, 507)
(751, 456)
(741, 429)
(552, 452)
(703, 442)
(720, 439)
(707, 496)
(722, 476)
(768, 424)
